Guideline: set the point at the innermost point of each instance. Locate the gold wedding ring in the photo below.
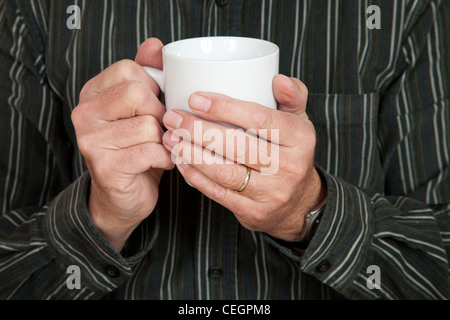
(246, 180)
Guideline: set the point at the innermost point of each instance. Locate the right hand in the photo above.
(118, 125)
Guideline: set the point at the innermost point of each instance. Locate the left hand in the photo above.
(272, 203)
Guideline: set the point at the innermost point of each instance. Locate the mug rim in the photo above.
(274, 49)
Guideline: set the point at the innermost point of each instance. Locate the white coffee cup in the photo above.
(242, 68)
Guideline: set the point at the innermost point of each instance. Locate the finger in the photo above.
(230, 199)
(138, 159)
(232, 144)
(191, 153)
(232, 176)
(150, 53)
(121, 101)
(291, 94)
(125, 133)
(244, 208)
(222, 171)
(120, 72)
(248, 115)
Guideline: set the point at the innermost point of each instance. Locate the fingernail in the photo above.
(172, 119)
(181, 163)
(167, 140)
(200, 102)
(293, 84)
(170, 139)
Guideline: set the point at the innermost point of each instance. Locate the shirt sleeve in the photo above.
(43, 230)
(404, 232)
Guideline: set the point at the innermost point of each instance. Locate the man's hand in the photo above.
(273, 203)
(118, 125)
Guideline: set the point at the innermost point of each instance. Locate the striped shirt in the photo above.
(379, 100)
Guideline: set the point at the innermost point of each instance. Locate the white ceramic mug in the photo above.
(242, 68)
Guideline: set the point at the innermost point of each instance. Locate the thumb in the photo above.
(291, 94)
(150, 54)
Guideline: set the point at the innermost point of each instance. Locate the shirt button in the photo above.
(323, 266)
(215, 272)
(112, 271)
(221, 3)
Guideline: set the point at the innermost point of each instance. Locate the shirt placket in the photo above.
(217, 236)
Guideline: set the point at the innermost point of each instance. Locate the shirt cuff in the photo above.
(75, 240)
(337, 250)
(336, 253)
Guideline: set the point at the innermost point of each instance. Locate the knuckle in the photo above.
(150, 126)
(75, 116)
(126, 69)
(80, 114)
(86, 144)
(229, 175)
(135, 93)
(263, 118)
(86, 88)
(218, 192)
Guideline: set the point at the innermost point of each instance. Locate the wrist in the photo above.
(311, 221)
(115, 229)
(321, 192)
(318, 199)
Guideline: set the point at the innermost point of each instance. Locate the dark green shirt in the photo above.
(379, 100)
